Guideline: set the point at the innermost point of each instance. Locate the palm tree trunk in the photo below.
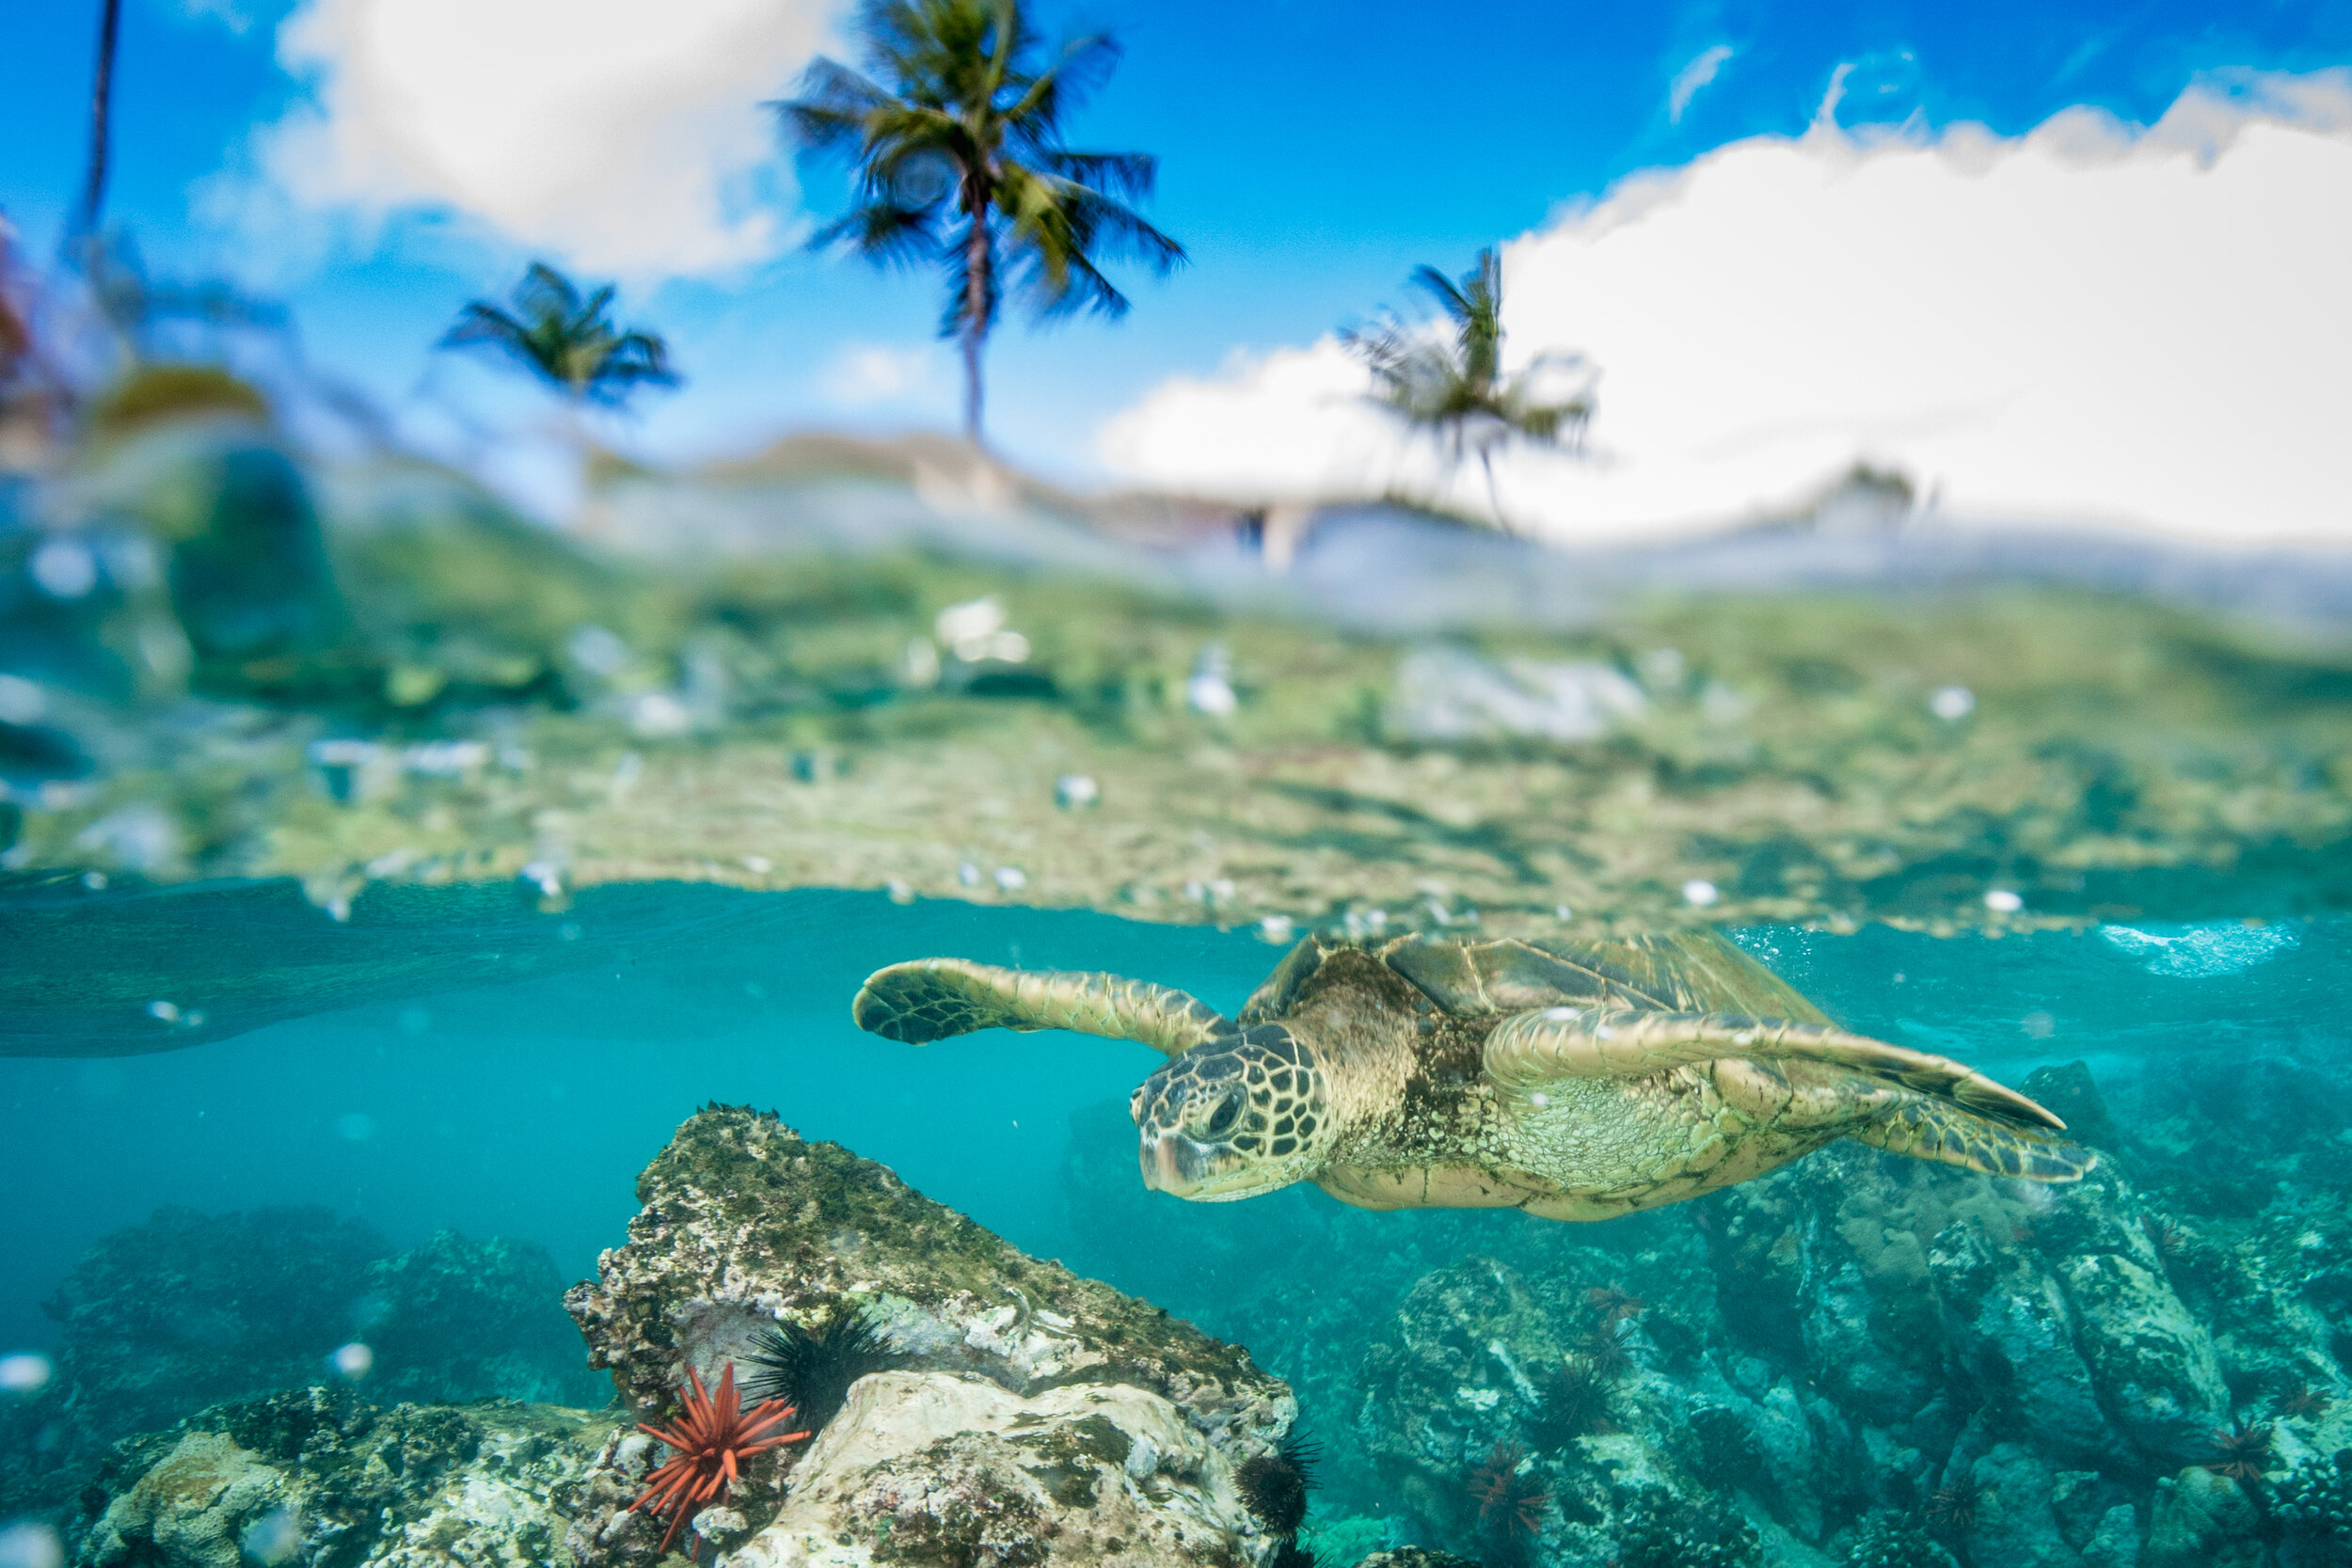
(977, 262)
(1494, 498)
(101, 112)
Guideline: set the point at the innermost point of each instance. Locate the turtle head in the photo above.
(1234, 1118)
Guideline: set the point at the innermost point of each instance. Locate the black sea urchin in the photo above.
(812, 1370)
(1275, 1486)
(1289, 1554)
(1575, 1403)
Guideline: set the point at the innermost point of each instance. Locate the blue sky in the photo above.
(1311, 155)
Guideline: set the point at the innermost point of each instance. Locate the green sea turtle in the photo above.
(1574, 1080)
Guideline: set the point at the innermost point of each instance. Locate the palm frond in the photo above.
(955, 127)
(566, 340)
(1126, 176)
(883, 231)
(1449, 386)
(1085, 65)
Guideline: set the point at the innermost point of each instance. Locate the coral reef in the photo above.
(1021, 1414)
(1036, 1415)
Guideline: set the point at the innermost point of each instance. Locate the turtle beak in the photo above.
(1171, 1163)
(1158, 1158)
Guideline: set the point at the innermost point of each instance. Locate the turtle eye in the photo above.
(1227, 1113)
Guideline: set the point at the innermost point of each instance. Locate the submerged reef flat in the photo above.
(412, 685)
(1855, 1362)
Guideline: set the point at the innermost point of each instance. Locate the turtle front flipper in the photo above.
(1908, 1102)
(929, 999)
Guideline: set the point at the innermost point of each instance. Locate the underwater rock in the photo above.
(954, 1467)
(2155, 1364)
(318, 1478)
(1415, 1556)
(2070, 1092)
(186, 1310)
(194, 1507)
(2202, 1520)
(457, 1320)
(2015, 1524)
(1038, 1416)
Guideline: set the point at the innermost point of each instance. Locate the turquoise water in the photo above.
(522, 1101)
(526, 1108)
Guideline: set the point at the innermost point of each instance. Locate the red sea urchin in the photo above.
(712, 1439)
(1505, 1497)
(2245, 1451)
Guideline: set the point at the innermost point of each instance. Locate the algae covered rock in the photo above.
(2202, 1520)
(954, 1468)
(315, 1478)
(1033, 1415)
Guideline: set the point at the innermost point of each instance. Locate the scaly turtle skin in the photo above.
(1577, 1081)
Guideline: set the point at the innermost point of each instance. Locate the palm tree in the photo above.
(567, 340)
(100, 118)
(957, 136)
(1455, 391)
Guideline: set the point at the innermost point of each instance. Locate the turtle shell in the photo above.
(1681, 972)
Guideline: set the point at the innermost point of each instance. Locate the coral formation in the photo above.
(2314, 1505)
(1887, 1540)
(1032, 1416)
(1657, 1529)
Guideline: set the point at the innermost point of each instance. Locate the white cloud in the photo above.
(238, 16)
(619, 136)
(2086, 322)
(1694, 76)
(863, 374)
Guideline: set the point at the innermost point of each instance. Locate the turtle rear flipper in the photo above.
(1925, 1128)
(1908, 1102)
(1631, 1043)
(929, 999)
